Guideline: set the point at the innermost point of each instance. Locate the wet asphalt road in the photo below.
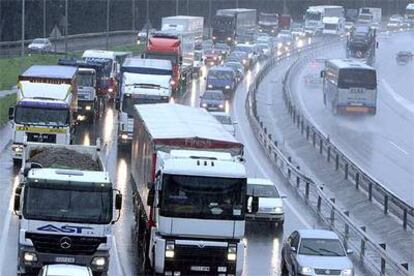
(263, 242)
(382, 145)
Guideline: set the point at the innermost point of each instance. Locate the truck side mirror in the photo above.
(255, 204)
(16, 203)
(11, 113)
(118, 201)
(150, 198)
(181, 60)
(322, 74)
(117, 103)
(376, 44)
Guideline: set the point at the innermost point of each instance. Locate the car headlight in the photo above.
(347, 272)
(110, 90)
(232, 252)
(244, 61)
(204, 105)
(279, 45)
(138, 42)
(214, 37)
(30, 257)
(305, 270)
(88, 107)
(99, 261)
(215, 58)
(169, 249)
(221, 106)
(277, 210)
(227, 87)
(229, 38)
(172, 82)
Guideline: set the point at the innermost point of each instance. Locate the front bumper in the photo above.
(260, 217)
(49, 258)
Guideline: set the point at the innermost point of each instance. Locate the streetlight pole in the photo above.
(188, 7)
(22, 38)
(44, 18)
(237, 4)
(107, 24)
(66, 27)
(176, 7)
(133, 16)
(209, 18)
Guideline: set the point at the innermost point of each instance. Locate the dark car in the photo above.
(222, 78)
(213, 100)
(241, 57)
(237, 67)
(212, 57)
(223, 48)
(251, 51)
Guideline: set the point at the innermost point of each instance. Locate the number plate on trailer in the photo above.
(65, 259)
(200, 268)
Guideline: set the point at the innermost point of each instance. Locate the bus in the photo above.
(349, 86)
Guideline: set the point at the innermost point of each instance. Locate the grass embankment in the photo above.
(10, 67)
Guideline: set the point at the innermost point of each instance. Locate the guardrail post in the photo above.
(346, 234)
(297, 181)
(362, 249)
(302, 126)
(357, 180)
(319, 203)
(298, 121)
(384, 246)
(307, 133)
(337, 161)
(314, 139)
(265, 130)
(329, 154)
(289, 173)
(370, 191)
(385, 204)
(405, 265)
(320, 146)
(405, 213)
(332, 217)
(307, 190)
(346, 170)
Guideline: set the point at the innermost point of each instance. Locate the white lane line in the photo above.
(398, 147)
(263, 171)
(409, 106)
(119, 270)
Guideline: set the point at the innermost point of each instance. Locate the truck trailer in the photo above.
(66, 205)
(189, 183)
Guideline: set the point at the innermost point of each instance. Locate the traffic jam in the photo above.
(192, 196)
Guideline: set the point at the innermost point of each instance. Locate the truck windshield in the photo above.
(316, 16)
(85, 79)
(330, 26)
(357, 78)
(269, 18)
(41, 116)
(203, 197)
(79, 206)
(165, 56)
(106, 69)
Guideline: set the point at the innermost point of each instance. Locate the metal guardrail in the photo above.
(367, 250)
(389, 201)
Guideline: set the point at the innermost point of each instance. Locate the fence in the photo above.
(367, 251)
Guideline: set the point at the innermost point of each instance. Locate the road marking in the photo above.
(398, 147)
(398, 98)
(119, 269)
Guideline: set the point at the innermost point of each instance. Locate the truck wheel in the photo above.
(324, 99)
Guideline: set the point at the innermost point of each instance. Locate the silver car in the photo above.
(41, 45)
(315, 252)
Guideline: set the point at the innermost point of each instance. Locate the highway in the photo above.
(381, 145)
(263, 242)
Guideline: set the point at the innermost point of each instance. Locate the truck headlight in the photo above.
(229, 38)
(244, 61)
(17, 148)
(30, 257)
(347, 272)
(279, 45)
(277, 210)
(88, 107)
(210, 86)
(204, 105)
(110, 90)
(124, 136)
(169, 249)
(215, 58)
(98, 261)
(305, 270)
(227, 87)
(214, 37)
(232, 252)
(221, 106)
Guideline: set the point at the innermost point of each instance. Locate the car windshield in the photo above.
(68, 205)
(330, 26)
(313, 16)
(262, 190)
(321, 247)
(220, 74)
(224, 119)
(246, 49)
(210, 95)
(85, 79)
(34, 115)
(203, 197)
(40, 41)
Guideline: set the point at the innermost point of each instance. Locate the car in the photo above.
(223, 48)
(237, 67)
(265, 49)
(315, 252)
(41, 45)
(297, 31)
(251, 51)
(213, 100)
(395, 23)
(264, 204)
(212, 57)
(65, 270)
(285, 41)
(241, 57)
(222, 78)
(225, 119)
(403, 57)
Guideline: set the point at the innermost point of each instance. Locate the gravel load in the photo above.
(61, 158)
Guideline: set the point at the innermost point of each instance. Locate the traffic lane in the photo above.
(398, 76)
(381, 144)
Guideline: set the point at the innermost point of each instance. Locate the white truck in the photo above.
(189, 184)
(190, 30)
(143, 81)
(45, 108)
(314, 16)
(370, 16)
(333, 25)
(66, 206)
(409, 14)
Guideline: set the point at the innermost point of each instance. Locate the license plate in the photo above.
(200, 268)
(65, 259)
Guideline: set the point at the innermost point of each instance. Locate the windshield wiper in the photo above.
(329, 251)
(312, 249)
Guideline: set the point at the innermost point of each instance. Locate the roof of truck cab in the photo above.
(63, 175)
(50, 71)
(99, 54)
(147, 63)
(180, 122)
(44, 90)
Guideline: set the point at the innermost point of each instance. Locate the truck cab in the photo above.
(333, 25)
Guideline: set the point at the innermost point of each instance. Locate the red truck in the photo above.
(168, 47)
(285, 20)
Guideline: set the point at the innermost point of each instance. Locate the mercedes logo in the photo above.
(327, 272)
(65, 243)
(201, 245)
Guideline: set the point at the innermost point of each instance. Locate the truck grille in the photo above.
(54, 244)
(41, 137)
(186, 256)
(327, 271)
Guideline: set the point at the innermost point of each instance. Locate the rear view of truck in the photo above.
(66, 205)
